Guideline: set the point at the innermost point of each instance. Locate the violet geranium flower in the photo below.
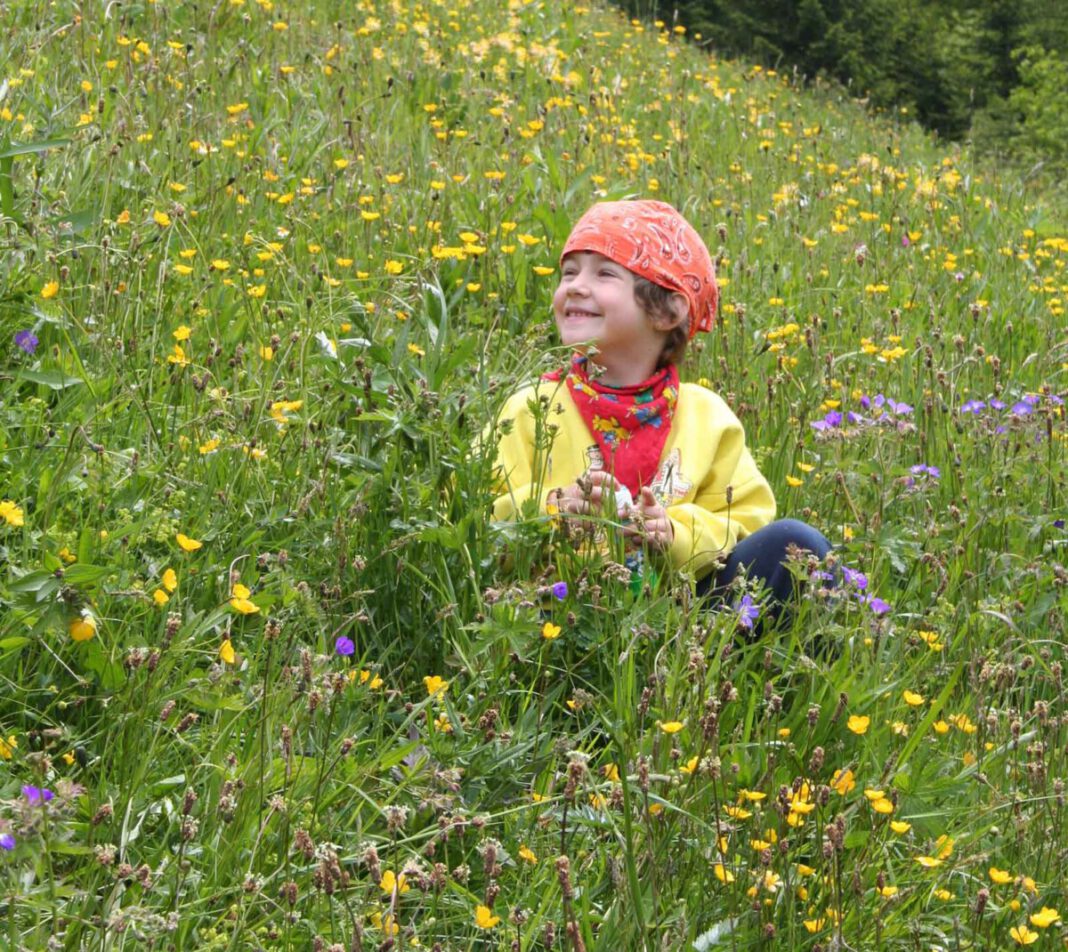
(35, 795)
(26, 340)
(748, 611)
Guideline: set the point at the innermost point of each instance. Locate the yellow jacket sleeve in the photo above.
(731, 500)
(520, 470)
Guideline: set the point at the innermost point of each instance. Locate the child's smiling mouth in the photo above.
(576, 313)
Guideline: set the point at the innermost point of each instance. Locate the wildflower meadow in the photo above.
(273, 679)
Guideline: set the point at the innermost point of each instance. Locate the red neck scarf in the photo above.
(629, 424)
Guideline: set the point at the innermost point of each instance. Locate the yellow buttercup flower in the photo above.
(484, 917)
(227, 653)
(1000, 876)
(723, 874)
(1022, 935)
(170, 580)
(435, 685)
(858, 723)
(670, 727)
(83, 628)
(1045, 917)
(11, 513)
(843, 781)
(390, 882)
(188, 544)
(549, 631)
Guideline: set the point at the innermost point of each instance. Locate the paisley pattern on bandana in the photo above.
(653, 240)
(629, 424)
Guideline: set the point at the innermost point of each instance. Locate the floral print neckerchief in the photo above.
(629, 424)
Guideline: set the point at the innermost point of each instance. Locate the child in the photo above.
(636, 283)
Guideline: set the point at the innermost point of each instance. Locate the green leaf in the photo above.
(7, 190)
(81, 574)
(13, 644)
(31, 148)
(54, 379)
(32, 581)
(214, 702)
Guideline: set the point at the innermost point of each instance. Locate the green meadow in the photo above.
(270, 675)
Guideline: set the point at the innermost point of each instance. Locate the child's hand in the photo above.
(651, 525)
(586, 495)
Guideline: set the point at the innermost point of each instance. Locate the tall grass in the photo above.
(277, 268)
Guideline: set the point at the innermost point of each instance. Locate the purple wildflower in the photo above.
(958, 277)
(748, 611)
(854, 418)
(1023, 408)
(1058, 523)
(879, 400)
(37, 795)
(27, 340)
(865, 401)
(901, 409)
(973, 406)
(559, 590)
(832, 419)
(7, 841)
(997, 404)
(905, 241)
(344, 646)
(855, 578)
(922, 469)
(878, 606)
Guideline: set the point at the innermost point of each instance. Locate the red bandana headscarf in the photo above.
(653, 240)
(629, 424)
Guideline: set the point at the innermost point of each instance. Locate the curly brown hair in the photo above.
(656, 300)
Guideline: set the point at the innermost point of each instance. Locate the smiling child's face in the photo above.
(595, 303)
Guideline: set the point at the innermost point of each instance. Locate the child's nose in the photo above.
(580, 283)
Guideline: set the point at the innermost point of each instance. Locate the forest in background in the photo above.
(992, 72)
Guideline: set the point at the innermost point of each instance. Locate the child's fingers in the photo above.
(598, 477)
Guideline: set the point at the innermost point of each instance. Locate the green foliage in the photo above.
(1042, 131)
(951, 64)
(259, 636)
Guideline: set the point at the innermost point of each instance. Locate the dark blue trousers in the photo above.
(761, 556)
